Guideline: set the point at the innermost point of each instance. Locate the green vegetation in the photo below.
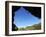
(33, 27)
(21, 28)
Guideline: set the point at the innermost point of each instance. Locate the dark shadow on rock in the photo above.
(14, 8)
(36, 11)
(14, 27)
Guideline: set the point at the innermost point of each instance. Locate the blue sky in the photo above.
(23, 18)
